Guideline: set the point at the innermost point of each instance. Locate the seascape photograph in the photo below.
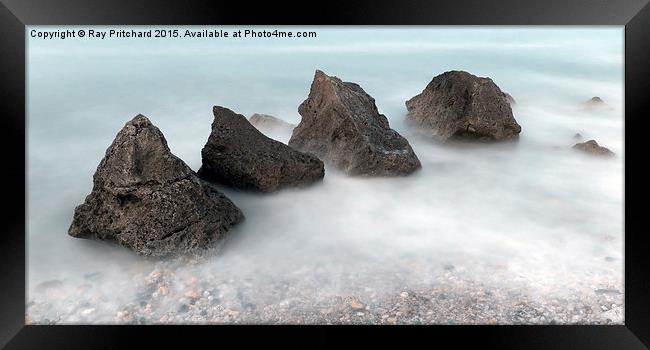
(325, 175)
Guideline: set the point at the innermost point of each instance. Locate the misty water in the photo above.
(533, 219)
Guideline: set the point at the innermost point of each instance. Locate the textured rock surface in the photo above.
(592, 147)
(510, 99)
(459, 104)
(147, 199)
(267, 122)
(341, 125)
(240, 156)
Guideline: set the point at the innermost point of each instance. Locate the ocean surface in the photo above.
(533, 216)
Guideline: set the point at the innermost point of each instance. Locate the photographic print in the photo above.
(325, 175)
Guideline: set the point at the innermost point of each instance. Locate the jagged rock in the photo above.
(510, 99)
(240, 156)
(341, 125)
(147, 199)
(265, 122)
(592, 147)
(458, 104)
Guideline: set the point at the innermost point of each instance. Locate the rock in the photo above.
(150, 201)
(577, 136)
(594, 102)
(355, 305)
(240, 156)
(510, 99)
(457, 104)
(341, 125)
(593, 148)
(265, 122)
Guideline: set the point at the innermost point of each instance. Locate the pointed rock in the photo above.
(592, 147)
(147, 199)
(240, 156)
(341, 125)
(457, 104)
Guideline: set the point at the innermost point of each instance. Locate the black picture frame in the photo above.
(16, 14)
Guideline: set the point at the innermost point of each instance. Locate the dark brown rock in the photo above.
(510, 99)
(239, 155)
(457, 104)
(147, 199)
(341, 125)
(593, 148)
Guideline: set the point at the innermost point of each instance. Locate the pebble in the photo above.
(447, 297)
(355, 305)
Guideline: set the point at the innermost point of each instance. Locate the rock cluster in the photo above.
(458, 104)
(239, 155)
(147, 199)
(341, 125)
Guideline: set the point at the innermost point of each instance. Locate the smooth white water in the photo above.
(533, 215)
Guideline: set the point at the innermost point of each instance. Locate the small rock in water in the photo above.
(594, 103)
(592, 147)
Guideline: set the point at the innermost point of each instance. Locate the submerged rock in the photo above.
(240, 156)
(147, 199)
(341, 125)
(265, 122)
(458, 104)
(594, 102)
(592, 147)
